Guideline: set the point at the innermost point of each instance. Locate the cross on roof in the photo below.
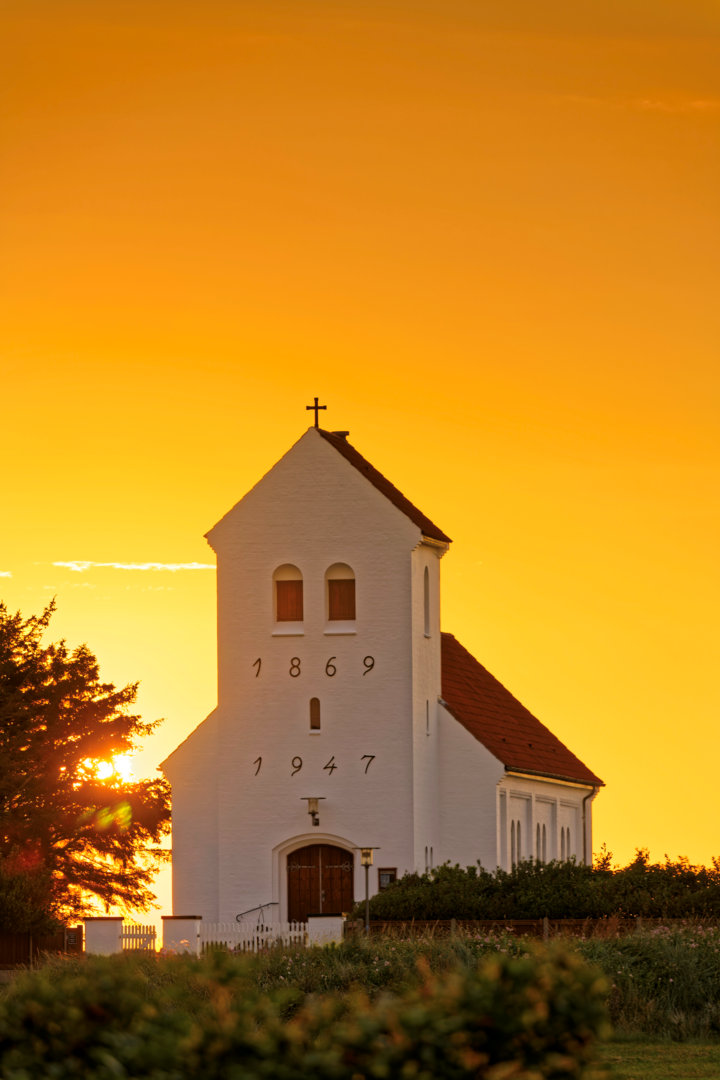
(316, 408)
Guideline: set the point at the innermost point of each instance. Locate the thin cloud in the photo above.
(80, 566)
(5, 573)
(697, 106)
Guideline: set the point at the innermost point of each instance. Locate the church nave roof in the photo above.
(501, 723)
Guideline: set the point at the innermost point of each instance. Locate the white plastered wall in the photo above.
(311, 510)
(426, 671)
(537, 801)
(468, 779)
(191, 770)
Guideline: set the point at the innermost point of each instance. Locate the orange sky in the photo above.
(485, 232)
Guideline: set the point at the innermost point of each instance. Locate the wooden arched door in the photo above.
(319, 881)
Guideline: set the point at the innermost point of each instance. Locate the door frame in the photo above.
(280, 855)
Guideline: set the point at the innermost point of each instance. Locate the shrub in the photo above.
(103, 1018)
(535, 1016)
(554, 890)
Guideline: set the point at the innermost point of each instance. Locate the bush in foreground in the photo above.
(528, 1017)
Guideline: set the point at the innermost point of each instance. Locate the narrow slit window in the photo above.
(426, 600)
(314, 714)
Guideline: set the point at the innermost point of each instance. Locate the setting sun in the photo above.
(119, 768)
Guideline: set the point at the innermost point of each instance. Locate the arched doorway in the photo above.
(319, 881)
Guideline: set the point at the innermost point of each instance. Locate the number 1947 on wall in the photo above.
(297, 763)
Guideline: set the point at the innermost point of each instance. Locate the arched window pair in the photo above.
(339, 593)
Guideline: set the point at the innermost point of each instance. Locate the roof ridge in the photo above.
(384, 486)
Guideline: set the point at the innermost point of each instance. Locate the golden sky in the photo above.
(484, 232)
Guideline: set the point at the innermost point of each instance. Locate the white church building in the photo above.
(345, 718)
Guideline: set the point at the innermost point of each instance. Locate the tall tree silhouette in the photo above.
(92, 840)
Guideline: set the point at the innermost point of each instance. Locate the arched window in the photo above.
(544, 844)
(513, 854)
(340, 592)
(568, 852)
(288, 594)
(519, 842)
(426, 600)
(314, 714)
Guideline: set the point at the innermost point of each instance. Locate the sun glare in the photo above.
(118, 768)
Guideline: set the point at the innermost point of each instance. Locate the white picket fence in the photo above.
(241, 938)
(135, 938)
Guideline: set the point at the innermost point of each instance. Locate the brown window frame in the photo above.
(289, 600)
(341, 599)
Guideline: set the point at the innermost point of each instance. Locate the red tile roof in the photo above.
(384, 486)
(505, 727)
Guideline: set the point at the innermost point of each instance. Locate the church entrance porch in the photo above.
(319, 881)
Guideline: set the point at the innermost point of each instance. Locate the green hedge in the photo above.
(528, 1017)
(555, 890)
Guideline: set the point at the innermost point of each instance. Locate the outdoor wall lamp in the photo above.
(313, 807)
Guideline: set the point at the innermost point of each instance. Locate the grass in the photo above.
(664, 982)
(660, 1060)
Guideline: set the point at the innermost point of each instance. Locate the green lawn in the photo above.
(662, 1061)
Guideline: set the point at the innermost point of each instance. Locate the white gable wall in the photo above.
(311, 510)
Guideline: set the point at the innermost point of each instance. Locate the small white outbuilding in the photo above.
(345, 718)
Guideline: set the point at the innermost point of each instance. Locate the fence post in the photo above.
(324, 929)
(103, 934)
(181, 933)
